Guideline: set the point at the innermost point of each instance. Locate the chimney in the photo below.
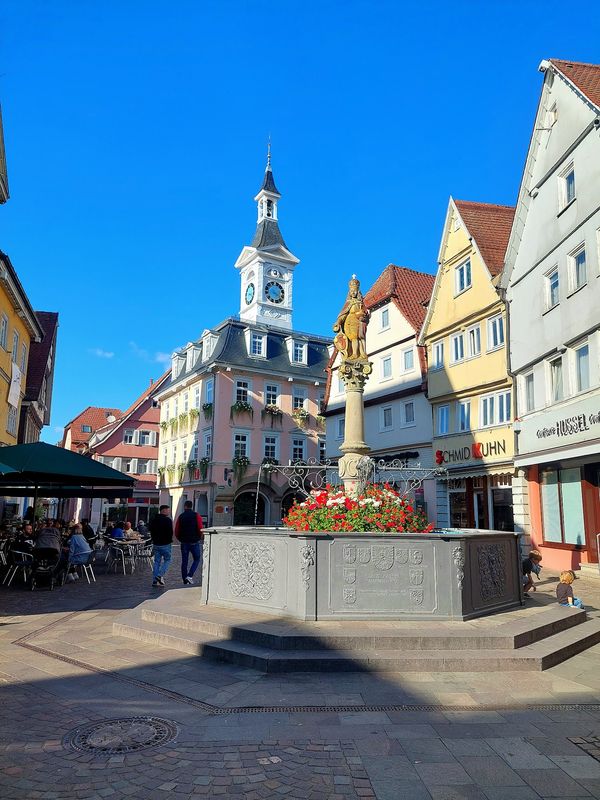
(151, 381)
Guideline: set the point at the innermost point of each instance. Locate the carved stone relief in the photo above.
(458, 557)
(491, 559)
(307, 560)
(251, 569)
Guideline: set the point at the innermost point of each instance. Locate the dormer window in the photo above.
(299, 352)
(257, 344)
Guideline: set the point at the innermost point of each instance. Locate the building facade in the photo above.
(130, 444)
(397, 413)
(37, 401)
(468, 383)
(248, 391)
(551, 276)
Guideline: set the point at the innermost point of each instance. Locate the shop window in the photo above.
(562, 506)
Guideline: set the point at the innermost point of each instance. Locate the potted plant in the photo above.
(181, 471)
(161, 474)
(300, 416)
(192, 466)
(164, 425)
(240, 464)
(183, 420)
(173, 426)
(193, 414)
(207, 410)
(320, 422)
(170, 472)
(240, 407)
(272, 411)
(267, 465)
(203, 467)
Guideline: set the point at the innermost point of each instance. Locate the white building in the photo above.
(397, 413)
(551, 280)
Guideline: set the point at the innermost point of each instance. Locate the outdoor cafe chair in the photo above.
(82, 568)
(45, 567)
(121, 554)
(18, 560)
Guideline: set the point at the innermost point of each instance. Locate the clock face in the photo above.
(274, 292)
(249, 293)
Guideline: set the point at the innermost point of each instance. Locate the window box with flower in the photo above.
(271, 412)
(207, 410)
(301, 417)
(240, 465)
(240, 407)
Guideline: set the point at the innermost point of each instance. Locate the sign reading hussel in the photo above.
(575, 422)
(466, 453)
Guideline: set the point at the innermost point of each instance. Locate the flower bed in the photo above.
(379, 508)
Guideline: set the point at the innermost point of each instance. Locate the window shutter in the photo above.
(134, 466)
(117, 463)
(136, 437)
(153, 439)
(153, 467)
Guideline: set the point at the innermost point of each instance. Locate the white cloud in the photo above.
(98, 351)
(140, 352)
(162, 358)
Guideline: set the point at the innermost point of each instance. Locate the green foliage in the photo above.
(240, 407)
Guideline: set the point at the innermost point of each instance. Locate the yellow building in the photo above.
(18, 328)
(468, 386)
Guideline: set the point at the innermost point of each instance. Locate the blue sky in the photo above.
(136, 136)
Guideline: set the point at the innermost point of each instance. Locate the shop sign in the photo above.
(576, 422)
(477, 450)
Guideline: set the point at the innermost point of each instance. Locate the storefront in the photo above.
(478, 490)
(559, 451)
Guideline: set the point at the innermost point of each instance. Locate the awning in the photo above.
(479, 472)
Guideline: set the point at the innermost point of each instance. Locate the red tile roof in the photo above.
(411, 291)
(94, 417)
(38, 354)
(586, 77)
(490, 226)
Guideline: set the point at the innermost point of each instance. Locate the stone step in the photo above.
(588, 571)
(533, 657)
(279, 634)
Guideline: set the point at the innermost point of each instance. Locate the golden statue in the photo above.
(351, 325)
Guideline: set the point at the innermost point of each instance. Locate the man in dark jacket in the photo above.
(161, 531)
(188, 530)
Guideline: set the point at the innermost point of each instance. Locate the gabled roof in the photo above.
(586, 77)
(490, 226)
(93, 416)
(409, 289)
(154, 387)
(19, 296)
(38, 354)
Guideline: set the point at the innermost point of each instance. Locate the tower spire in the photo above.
(268, 184)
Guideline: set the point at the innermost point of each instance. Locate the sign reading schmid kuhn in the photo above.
(574, 423)
(477, 450)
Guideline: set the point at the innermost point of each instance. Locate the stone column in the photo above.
(354, 374)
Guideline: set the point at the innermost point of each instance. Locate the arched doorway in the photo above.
(288, 501)
(244, 508)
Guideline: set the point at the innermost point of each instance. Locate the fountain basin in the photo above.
(453, 574)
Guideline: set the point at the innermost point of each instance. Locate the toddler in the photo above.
(564, 590)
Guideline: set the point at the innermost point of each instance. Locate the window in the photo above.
(184, 454)
(23, 357)
(143, 465)
(270, 447)
(504, 409)
(322, 451)
(176, 407)
(556, 380)
(298, 399)
(86, 428)
(209, 390)
(552, 289)
(495, 332)
(386, 367)
(566, 187)
(241, 391)
(197, 396)
(11, 422)
(385, 319)
(298, 449)
(3, 330)
(386, 418)
(128, 436)
(271, 394)
(339, 427)
(208, 444)
(474, 341)
(462, 277)
(194, 454)
(488, 411)
(562, 506)
(464, 415)
(15, 347)
(240, 445)
(529, 392)
(409, 413)
(582, 368)
(443, 420)
(408, 357)
(165, 455)
(321, 404)
(257, 344)
(173, 454)
(438, 355)
(145, 438)
(299, 352)
(457, 343)
(186, 403)
(578, 268)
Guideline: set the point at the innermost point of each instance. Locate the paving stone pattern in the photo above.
(61, 668)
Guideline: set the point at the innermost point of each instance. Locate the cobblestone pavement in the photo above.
(61, 668)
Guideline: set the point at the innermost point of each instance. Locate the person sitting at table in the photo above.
(87, 530)
(128, 530)
(117, 532)
(79, 549)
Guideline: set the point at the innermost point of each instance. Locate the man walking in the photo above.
(161, 531)
(188, 530)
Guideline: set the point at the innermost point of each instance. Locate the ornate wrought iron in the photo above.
(302, 477)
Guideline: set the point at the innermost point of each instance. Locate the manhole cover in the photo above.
(124, 735)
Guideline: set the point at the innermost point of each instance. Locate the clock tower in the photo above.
(266, 265)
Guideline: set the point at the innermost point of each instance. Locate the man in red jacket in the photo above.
(188, 529)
